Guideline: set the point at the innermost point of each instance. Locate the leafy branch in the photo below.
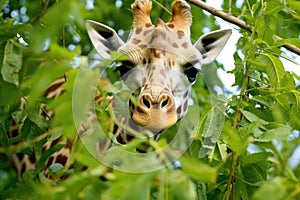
(240, 23)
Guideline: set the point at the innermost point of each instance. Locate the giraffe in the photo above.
(162, 63)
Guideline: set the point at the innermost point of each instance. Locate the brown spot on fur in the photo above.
(143, 46)
(162, 72)
(178, 111)
(175, 45)
(180, 34)
(32, 158)
(156, 53)
(55, 142)
(171, 25)
(185, 45)
(185, 105)
(20, 156)
(144, 61)
(150, 76)
(49, 162)
(138, 30)
(61, 159)
(57, 84)
(163, 35)
(23, 168)
(135, 41)
(146, 32)
(44, 148)
(148, 25)
(143, 81)
(186, 94)
(154, 36)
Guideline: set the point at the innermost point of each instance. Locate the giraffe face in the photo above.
(162, 61)
(164, 65)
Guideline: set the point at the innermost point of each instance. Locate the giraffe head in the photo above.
(162, 61)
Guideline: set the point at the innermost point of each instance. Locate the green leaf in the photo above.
(40, 81)
(178, 187)
(274, 69)
(252, 117)
(4, 129)
(212, 127)
(273, 189)
(18, 116)
(42, 161)
(273, 7)
(130, 186)
(2, 4)
(278, 131)
(198, 170)
(29, 131)
(12, 63)
(256, 158)
(238, 71)
(9, 93)
(73, 107)
(237, 142)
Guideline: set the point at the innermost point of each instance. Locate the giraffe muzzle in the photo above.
(155, 112)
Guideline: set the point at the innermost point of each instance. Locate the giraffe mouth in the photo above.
(155, 115)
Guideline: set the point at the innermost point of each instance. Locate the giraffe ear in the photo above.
(104, 38)
(211, 44)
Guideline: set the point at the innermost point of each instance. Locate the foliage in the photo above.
(42, 41)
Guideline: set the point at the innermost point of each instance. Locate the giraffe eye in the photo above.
(191, 73)
(124, 66)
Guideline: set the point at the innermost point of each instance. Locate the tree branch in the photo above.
(238, 22)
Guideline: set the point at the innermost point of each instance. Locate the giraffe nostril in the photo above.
(164, 103)
(146, 102)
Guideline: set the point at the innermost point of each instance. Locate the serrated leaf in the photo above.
(29, 131)
(12, 63)
(212, 128)
(39, 120)
(18, 116)
(238, 71)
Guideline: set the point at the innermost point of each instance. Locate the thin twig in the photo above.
(43, 11)
(238, 22)
(229, 7)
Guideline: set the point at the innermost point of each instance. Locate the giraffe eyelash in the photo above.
(190, 71)
(124, 66)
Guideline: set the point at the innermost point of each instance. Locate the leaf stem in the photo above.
(229, 7)
(237, 116)
(163, 7)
